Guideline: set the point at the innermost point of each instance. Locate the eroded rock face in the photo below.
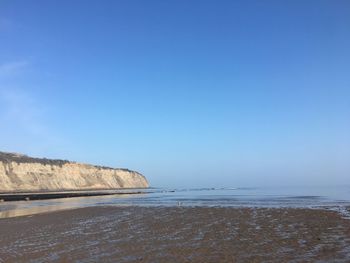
(20, 173)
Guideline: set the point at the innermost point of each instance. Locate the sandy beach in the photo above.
(177, 234)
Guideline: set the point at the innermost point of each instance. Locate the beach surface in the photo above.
(177, 234)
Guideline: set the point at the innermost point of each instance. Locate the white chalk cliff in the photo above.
(20, 173)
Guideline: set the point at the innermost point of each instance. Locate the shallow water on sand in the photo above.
(303, 197)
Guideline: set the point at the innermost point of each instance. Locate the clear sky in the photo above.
(188, 92)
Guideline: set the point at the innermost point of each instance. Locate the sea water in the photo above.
(273, 197)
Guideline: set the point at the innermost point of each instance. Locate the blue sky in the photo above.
(190, 93)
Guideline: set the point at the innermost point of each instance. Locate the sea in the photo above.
(334, 198)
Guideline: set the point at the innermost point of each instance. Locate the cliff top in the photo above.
(22, 158)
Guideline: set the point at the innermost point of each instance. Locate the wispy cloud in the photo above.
(17, 106)
(23, 113)
(12, 68)
(20, 109)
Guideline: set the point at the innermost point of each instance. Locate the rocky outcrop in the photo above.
(20, 173)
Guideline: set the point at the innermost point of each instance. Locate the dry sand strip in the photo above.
(177, 234)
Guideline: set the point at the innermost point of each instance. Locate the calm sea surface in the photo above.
(312, 197)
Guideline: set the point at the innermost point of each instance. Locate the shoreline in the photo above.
(27, 196)
(22, 208)
(196, 234)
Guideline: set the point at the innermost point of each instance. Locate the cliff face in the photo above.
(20, 173)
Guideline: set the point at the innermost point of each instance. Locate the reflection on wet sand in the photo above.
(32, 211)
(23, 208)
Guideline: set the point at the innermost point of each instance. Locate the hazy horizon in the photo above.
(189, 93)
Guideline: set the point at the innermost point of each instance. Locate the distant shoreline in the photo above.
(46, 195)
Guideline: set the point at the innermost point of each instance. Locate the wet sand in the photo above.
(177, 234)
